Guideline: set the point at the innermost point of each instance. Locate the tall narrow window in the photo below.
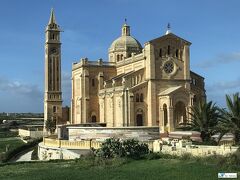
(137, 97)
(177, 53)
(54, 109)
(141, 97)
(160, 52)
(93, 82)
(168, 50)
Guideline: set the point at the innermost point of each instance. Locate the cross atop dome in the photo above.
(168, 29)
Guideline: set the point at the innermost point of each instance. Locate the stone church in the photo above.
(139, 85)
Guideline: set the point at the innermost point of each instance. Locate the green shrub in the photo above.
(186, 156)
(127, 148)
(152, 156)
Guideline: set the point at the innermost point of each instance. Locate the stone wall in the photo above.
(198, 150)
(30, 133)
(49, 152)
(102, 133)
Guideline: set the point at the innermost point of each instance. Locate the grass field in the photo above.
(162, 169)
(11, 142)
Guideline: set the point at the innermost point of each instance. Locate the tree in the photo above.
(204, 118)
(50, 125)
(230, 121)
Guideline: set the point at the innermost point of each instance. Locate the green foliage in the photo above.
(7, 134)
(186, 156)
(204, 118)
(152, 156)
(230, 121)
(50, 125)
(127, 148)
(13, 152)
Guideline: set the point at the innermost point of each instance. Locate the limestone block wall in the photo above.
(49, 152)
(99, 133)
(199, 150)
(30, 133)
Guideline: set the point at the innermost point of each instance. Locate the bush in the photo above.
(127, 148)
(152, 156)
(233, 159)
(185, 156)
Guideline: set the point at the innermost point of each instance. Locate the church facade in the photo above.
(138, 86)
(149, 85)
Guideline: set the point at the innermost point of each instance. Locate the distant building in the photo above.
(149, 85)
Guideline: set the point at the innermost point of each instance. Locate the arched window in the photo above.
(165, 115)
(118, 57)
(168, 50)
(141, 97)
(54, 109)
(160, 52)
(122, 57)
(137, 97)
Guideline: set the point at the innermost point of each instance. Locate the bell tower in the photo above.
(53, 93)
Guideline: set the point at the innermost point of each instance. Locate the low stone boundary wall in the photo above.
(196, 150)
(83, 144)
(30, 133)
(64, 149)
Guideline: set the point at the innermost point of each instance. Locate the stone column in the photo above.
(161, 120)
(85, 98)
(102, 109)
(170, 119)
(131, 111)
(186, 55)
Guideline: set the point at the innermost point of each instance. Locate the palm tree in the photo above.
(203, 118)
(230, 121)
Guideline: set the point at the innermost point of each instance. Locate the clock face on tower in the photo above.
(168, 67)
(53, 50)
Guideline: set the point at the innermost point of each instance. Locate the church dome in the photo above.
(124, 45)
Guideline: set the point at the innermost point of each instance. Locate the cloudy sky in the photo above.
(212, 26)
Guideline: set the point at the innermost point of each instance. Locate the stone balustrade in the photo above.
(83, 144)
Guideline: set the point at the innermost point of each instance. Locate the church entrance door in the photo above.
(94, 119)
(139, 120)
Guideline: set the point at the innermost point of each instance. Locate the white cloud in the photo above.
(220, 59)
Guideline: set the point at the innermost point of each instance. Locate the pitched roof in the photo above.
(170, 35)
